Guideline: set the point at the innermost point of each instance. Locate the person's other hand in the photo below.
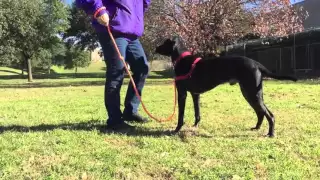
(103, 19)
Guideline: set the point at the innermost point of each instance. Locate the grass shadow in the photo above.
(86, 126)
(52, 84)
(71, 84)
(55, 76)
(91, 125)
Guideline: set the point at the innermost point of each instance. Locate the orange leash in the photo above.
(135, 88)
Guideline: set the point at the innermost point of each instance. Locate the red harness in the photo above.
(188, 75)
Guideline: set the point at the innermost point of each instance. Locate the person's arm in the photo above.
(146, 4)
(91, 7)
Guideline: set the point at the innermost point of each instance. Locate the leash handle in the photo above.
(135, 88)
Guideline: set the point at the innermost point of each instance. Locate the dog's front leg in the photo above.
(196, 99)
(182, 95)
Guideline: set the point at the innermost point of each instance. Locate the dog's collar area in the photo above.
(183, 77)
(182, 55)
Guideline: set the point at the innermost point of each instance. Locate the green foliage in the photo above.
(52, 55)
(75, 58)
(42, 59)
(56, 14)
(7, 51)
(9, 56)
(81, 29)
(58, 51)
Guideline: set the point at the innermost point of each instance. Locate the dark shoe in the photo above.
(120, 127)
(135, 118)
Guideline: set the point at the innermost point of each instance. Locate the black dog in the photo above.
(200, 75)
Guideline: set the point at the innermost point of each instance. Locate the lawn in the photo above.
(52, 130)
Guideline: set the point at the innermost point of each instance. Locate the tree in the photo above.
(277, 18)
(31, 26)
(81, 33)
(58, 51)
(207, 25)
(76, 57)
(42, 59)
(7, 50)
(154, 30)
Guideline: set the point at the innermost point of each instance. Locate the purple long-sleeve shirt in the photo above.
(126, 16)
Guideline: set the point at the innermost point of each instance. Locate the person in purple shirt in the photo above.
(126, 21)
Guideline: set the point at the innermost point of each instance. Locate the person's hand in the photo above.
(103, 19)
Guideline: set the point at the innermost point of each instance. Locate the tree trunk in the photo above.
(91, 52)
(49, 70)
(29, 70)
(75, 72)
(22, 67)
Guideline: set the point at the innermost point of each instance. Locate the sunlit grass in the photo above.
(54, 133)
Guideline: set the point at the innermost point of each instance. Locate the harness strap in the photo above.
(190, 72)
(183, 55)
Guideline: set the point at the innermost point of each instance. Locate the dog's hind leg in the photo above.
(271, 121)
(262, 111)
(182, 96)
(271, 114)
(254, 96)
(252, 103)
(196, 99)
(270, 117)
(260, 116)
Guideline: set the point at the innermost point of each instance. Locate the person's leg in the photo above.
(140, 68)
(114, 76)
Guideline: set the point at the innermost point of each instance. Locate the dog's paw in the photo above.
(233, 82)
(270, 135)
(177, 129)
(174, 132)
(171, 133)
(254, 128)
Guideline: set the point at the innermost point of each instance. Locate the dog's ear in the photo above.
(175, 39)
(165, 48)
(168, 41)
(175, 42)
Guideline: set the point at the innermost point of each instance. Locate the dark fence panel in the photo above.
(270, 58)
(286, 65)
(315, 56)
(301, 55)
(305, 60)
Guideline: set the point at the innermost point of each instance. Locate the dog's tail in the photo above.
(268, 73)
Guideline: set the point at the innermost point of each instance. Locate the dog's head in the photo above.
(171, 47)
(166, 48)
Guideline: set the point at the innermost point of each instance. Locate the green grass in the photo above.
(94, 67)
(54, 133)
(5, 71)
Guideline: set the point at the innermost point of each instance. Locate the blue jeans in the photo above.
(134, 55)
